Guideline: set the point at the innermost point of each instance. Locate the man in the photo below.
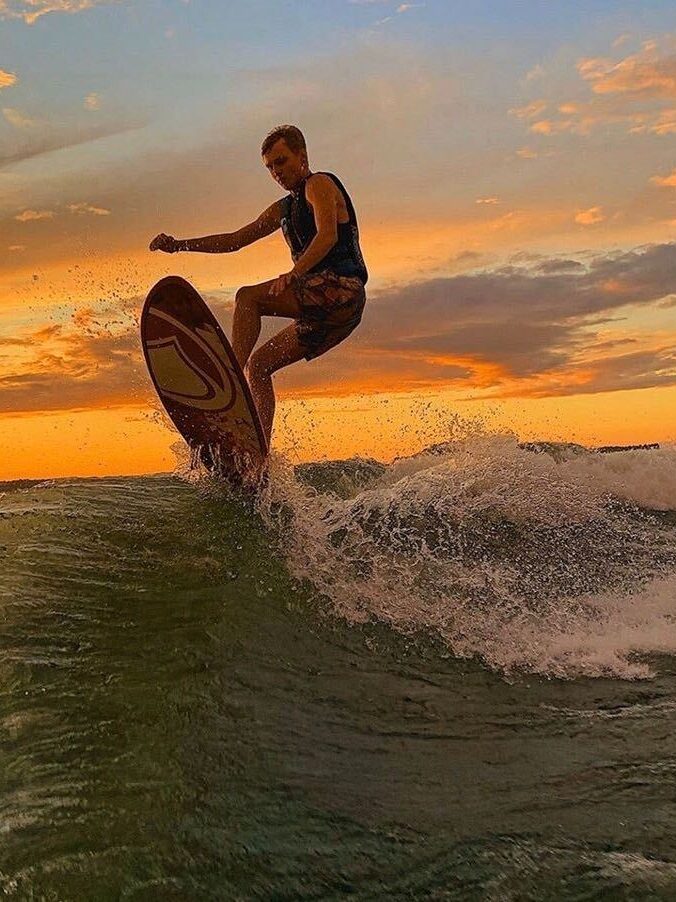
(323, 292)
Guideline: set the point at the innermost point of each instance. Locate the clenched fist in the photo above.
(166, 243)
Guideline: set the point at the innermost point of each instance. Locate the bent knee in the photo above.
(246, 296)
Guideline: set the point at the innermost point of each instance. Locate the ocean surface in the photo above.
(449, 677)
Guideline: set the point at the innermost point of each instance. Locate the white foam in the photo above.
(647, 478)
(596, 635)
(494, 549)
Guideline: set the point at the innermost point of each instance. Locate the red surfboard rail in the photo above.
(199, 381)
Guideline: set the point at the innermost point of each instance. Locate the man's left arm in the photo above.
(321, 195)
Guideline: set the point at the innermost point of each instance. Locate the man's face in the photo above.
(286, 167)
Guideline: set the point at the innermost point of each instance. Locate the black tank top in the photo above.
(299, 228)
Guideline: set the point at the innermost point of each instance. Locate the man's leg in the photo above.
(283, 349)
(252, 302)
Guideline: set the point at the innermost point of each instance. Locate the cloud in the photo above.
(621, 39)
(31, 10)
(50, 139)
(399, 10)
(551, 127)
(592, 216)
(556, 264)
(535, 108)
(527, 153)
(7, 79)
(631, 91)
(75, 368)
(34, 215)
(664, 123)
(389, 83)
(642, 369)
(529, 331)
(85, 208)
(17, 247)
(666, 181)
(534, 73)
(644, 74)
(17, 119)
(46, 332)
(7, 341)
(169, 179)
(544, 327)
(487, 200)
(92, 101)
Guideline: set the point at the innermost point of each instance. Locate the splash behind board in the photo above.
(199, 380)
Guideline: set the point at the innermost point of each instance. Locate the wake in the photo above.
(561, 564)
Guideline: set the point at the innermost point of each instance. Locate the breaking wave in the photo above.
(542, 559)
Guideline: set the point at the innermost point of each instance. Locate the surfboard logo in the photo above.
(199, 381)
(186, 368)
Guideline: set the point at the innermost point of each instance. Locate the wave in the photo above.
(561, 564)
(542, 559)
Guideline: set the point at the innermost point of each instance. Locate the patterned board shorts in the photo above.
(331, 307)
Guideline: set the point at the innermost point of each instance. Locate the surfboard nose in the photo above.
(198, 378)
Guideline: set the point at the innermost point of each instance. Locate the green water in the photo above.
(182, 721)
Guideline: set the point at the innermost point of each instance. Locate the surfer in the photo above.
(323, 292)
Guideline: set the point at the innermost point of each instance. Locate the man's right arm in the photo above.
(268, 222)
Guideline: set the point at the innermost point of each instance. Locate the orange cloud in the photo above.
(551, 126)
(7, 79)
(17, 118)
(662, 124)
(83, 317)
(528, 328)
(536, 108)
(536, 72)
(623, 92)
(83, 208)
(618, 287)
(556, 383)
(34, 215)
(527, 153)
(643, 74)
(92, 101)
(515, 219)
(666, 181)
(46, 332)
(590, 217)
(480, 373)
(31, 10)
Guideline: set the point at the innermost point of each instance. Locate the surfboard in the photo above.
(200, 383)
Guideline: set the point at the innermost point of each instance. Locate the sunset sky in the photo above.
(513, 165)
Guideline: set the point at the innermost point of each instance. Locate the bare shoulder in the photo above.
(320, 185)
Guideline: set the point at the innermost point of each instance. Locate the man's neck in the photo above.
(299, 186)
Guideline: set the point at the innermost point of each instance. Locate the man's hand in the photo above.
(282, 282)
(166, 243)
